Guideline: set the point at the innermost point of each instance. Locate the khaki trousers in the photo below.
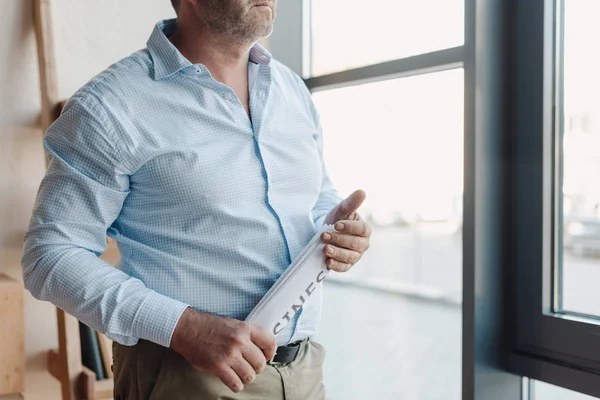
(148, 371)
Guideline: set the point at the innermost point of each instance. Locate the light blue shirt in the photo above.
(208, 206)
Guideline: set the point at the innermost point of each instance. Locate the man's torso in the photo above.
(218, 203)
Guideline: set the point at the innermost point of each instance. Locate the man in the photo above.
(202, 157)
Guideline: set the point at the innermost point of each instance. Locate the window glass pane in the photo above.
(402, 142)
(545, 391)
(581, 158)
(354, 33)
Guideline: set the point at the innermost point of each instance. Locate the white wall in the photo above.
(90, 35)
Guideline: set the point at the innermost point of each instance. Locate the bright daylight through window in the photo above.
(389, 29)
(545, 391)
(407, 137)
(581, 158)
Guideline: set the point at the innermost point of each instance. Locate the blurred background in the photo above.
(407, 133)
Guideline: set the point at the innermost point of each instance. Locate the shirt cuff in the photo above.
(157, 318)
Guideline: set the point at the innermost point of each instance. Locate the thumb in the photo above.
(346, 207)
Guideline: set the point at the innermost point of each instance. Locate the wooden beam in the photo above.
(105, 345)
(111, 255)
(46, 61)
(103, 389)
(87, 382)
(55, 364)
(77, 382)
(91, 389)
(69, 350)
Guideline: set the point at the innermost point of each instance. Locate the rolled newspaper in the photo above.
(293, 288)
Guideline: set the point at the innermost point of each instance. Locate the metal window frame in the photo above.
(421, 64)
(488, 296)
(426, 63)
(509, 329)
(554, 347)
(486, 316)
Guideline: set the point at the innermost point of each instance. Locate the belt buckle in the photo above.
(297, 344)
(271, 362)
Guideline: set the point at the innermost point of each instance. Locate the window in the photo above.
(525, 73)
(410, 163)
(555, 175)
(545, 391)
(395, 129)
(580, 129)
(348, 33)
(404, 146)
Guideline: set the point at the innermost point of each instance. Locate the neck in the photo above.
(225, 58)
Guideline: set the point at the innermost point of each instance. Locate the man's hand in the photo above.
(346, 247)
(232, 350)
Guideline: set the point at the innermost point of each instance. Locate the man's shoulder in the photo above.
(116, 80)
(291, 82)
(286, 74)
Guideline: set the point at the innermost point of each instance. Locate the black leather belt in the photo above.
(288, 353)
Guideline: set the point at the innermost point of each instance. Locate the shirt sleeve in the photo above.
(328, 196)
(79, 199)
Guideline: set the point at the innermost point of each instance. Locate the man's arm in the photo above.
(346, 246)
(328, 196)
(78, 200)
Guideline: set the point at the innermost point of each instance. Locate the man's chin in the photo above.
(268, 31)
(264, 30)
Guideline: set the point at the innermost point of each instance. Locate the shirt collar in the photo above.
(168, 60)
(260, 55)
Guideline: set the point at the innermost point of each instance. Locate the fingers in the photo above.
(231, 379)
(255, 358)
(264, 340)
(351, 203)
(355, 216)
(342, 255)
(360, 228)
(244, 371)
(351, 242)
(346, 246)
(337, 266)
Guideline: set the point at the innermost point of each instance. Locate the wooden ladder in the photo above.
(77, 382)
